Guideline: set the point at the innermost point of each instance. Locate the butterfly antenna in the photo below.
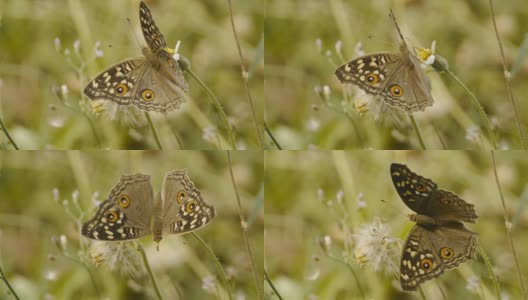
(393, 207)
(391, 15)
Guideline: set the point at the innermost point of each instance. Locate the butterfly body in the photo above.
(396, 78)
(131, 211)
(439, 240)
(153, 82)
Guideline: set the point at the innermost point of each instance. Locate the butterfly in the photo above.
(439, 240)
(153, 82)
(396, 78)
(132, 211)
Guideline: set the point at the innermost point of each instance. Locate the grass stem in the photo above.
(218, 107)
(154, 131)
(268, 131)
(149, 271)
(508, 226)
(4, 278)
(417, 129)
(479, 108)
(4, 129)
(245, 74)
(243, 225)
(217, 263)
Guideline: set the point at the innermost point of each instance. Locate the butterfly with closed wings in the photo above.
(153, 82)
(132, 211)
(439, 240)
(396, 78)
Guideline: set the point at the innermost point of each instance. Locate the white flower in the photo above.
(77, 45)
(312, 125)
(360, 202)
(374, 246)
(473, 134)
(98, 51)
(359, 49)
(338, 46)
(473, 284)
(319, 45)
(56, 194)
(209, 134)
(209, 284)
(57, 43)
(339, 196)
(119, 256)
(64, 90)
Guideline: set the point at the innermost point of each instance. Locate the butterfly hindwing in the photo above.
(184, 209)
(126, 212)
(428, 251)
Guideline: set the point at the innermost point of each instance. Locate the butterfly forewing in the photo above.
(126, 212)
(184, 208)
(153, 36)
(413, 189)
(118, 83)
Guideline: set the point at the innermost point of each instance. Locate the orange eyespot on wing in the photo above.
(181, 196)
(124, 200)
(190, 206)
(148, 95)
(446, 201)
(112, 216)
(396, 90)
(122, 89)
(446, 253)
(372, 78)
(426, 264)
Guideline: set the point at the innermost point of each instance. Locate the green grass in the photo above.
(32, 219)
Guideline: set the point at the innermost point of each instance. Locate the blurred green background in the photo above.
(32, 71)
(31, 214)
(464, 35)
(302, 206)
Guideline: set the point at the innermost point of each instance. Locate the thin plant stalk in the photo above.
(4, 129)
(243, 225)
(507, 77)
(422, 294)
(479, 108)
(508, 226)
(245, 74)
(218, 106)
(268, 280)
(417, 129)
(87, 268)
(153, 129)
(268, 131)
(490, 270)
(356, 279)
(4, 278)
(217, 263)
(149, 271)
